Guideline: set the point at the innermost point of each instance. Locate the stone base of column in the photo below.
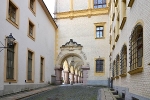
(58, 82)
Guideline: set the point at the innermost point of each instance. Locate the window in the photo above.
(32, 6)
(113, 69)
(99, 65)
(13, 13)
(31, 31)
(42, 69)
(136, 48)
(30, 66)
(11, 58)
(10, 63)
(99, 31)
(99, 3)
(123, 58)
(117, 65)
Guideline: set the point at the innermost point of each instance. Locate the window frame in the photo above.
(117, 65)
(34, 7)
(101, 24)
(30, 23)
(15, 64)
(95, 5)
(99, 29)
(16, 22)
(99, 73)
(10, 62)
(123, 61)
(134, 49)
(33, 66)
(42, 68)
(99, 66)
(114, 69)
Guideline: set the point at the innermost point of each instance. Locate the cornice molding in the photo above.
(82, 13)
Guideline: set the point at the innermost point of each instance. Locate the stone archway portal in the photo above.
(77, 61)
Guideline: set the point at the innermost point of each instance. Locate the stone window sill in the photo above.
(137, 70)
(32, 11)
(10, 80)
(31, 37)
(117, 77)
(13, 23)
(30, 81)
(100, 38)
(123, 75)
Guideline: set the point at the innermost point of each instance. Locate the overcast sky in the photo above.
(50, 5)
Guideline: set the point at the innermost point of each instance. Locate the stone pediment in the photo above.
(71, 45)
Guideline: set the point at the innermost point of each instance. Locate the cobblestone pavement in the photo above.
(68, 93)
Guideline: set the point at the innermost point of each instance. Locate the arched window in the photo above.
(136, 48)
(123, 60)
(117, 65)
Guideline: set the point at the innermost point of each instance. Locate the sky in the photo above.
(50, 5)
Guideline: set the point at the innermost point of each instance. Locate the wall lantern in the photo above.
(10, 41)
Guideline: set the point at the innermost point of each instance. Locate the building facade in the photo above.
(129, 48)
(29, 63)
(95, 42)
(82, 38)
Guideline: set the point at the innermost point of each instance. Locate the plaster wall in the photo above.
(43, 45)
(62, 6)
(78, 5)
(81, 30)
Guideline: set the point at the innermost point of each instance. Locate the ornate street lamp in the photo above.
(10, 41)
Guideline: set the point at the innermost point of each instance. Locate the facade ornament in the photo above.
(71, 46)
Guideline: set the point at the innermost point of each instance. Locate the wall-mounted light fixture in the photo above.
(10, 42)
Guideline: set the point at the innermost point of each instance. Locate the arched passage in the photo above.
(73, 62)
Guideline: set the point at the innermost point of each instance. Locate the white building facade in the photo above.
(86, 23)
(30, 62)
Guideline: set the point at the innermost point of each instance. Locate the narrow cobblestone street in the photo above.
(78, 92)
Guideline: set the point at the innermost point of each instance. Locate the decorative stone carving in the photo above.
(71, 46)
(58, 56)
